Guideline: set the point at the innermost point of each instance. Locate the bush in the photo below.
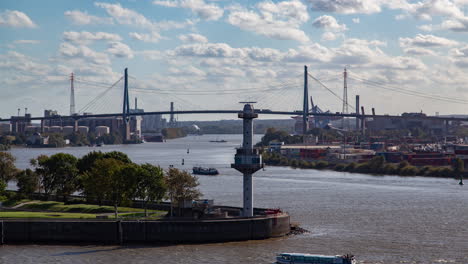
(409, 171)
(340, 167)
(350, 167)
(390, 169)
(321, 165)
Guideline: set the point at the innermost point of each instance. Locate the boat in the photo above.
(218, 141)
(205, 171)
(289, 258)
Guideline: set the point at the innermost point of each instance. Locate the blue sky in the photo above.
(205, 54)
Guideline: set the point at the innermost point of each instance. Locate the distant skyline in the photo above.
(202, 54)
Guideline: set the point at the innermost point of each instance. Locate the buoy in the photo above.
(183, 161)
(188, 151)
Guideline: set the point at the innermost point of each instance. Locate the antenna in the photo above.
(345, 96)
(72, 95)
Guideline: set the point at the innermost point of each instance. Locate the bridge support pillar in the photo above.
(42, 125)
(75, 126)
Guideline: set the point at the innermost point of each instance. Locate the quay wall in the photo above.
(161, 231)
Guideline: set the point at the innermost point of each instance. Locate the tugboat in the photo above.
(290, 258)
(205, 171)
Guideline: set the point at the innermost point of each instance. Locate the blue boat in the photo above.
(290, 258)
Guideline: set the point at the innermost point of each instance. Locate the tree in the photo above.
(58, 173)
(86, 162)
(112, 180)
(27, 182)
(182, 185)
(8, 169)
(56, 140)
(151, 186)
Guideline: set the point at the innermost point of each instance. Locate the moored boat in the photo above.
(205, 171)
(290, 258)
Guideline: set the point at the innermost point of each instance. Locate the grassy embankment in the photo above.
(52, 209)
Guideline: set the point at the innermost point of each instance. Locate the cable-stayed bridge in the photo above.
(275, 99)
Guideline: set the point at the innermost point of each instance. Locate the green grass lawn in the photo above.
(45, 215)
(77, 208)
(87, 211)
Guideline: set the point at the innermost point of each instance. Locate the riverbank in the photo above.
(375, 166)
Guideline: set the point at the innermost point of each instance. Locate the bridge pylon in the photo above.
(305, 107)
(126, 109)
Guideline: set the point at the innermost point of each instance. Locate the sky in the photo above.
(400, 55)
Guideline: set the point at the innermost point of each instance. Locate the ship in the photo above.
(218, 141)
(157, 138)
(290, 258)
(205, 171)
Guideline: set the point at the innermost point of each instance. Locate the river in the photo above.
(379, 219)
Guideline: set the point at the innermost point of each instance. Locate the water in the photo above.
(380, 219)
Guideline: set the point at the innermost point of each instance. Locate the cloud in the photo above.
(153, 37)
(26, 41)
(421, 40)
(199, 7)
(191, 38)
(120, 50)
(329, 23)
(16, 19)
(189, 70)
(356, 20)
(329, 36)
(15, 61)
(346, 6)
(223, 50)
(68, 50)
(82, 18)
(274, 20)
(85, 37)
(126, 16)
(419, 51)
(425, 10)
(167, 3)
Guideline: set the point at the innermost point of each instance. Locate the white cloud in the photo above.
(418, 51)
(19, 62)
(83, 18)
(421, 40)
(203, 10)
(166, 3)
(26, 41)
(346, 6)
(126, 16)
(120, 50)
(153, 37)
(85, 37)
(151, 54)
(189, 70)
(329, 36)
(328, 23)
(356, 20)
(193, 38)
(68, 50)
(16, 19)
(223, 50)
(278, 21)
